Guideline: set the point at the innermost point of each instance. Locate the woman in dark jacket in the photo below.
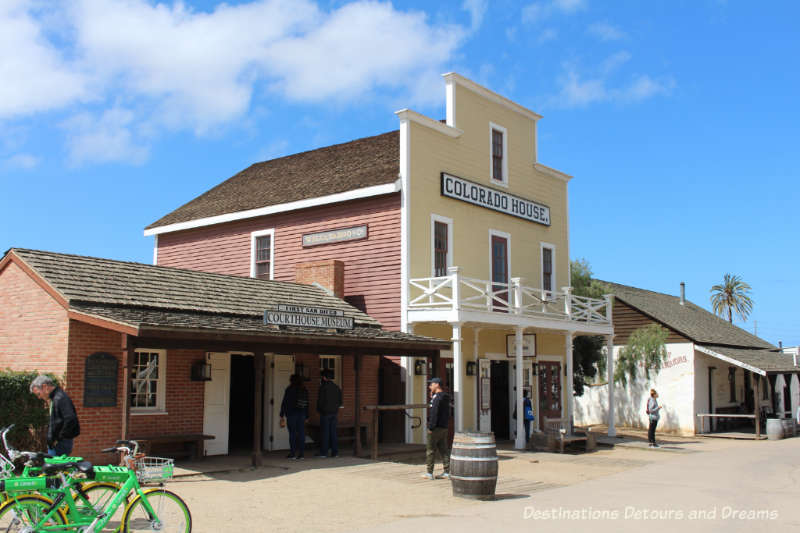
(294, 409)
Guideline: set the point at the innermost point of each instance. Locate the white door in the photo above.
(281, 370)
(485, 396)
(216, 410)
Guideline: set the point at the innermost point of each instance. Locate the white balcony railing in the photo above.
(456, 292)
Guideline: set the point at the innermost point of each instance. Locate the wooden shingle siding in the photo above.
(628, 319)
(372, 265)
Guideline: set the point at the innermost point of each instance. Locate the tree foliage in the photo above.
(732, 296)
(646, 348)
(29, 414)
(587, 355)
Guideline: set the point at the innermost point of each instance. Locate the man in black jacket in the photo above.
(328, 403)
(438, 424)
(64, 426)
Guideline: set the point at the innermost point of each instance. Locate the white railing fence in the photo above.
(457, 292)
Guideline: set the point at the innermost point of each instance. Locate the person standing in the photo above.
(653, 411)
(527, 415)
(63, 426)
(438, 424)
(294, 408)
(328, 402)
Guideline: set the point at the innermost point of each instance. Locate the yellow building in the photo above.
(485, 262)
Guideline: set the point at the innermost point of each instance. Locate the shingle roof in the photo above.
(766, 360)
(334, 169)
(689, 319)
(167, 319)
(106, 281)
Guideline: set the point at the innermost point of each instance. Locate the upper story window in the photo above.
(441, 238)
(499, 152)
(548, 267)
(148, 373)
(261, 254)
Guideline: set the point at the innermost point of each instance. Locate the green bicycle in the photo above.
(94, 494)
(53, 508)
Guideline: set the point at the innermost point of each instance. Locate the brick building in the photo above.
(87, 319)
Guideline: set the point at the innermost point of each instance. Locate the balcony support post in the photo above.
(455, 280)
(568, 301)
(458, 371)
(569, 383)
(612, 431)
(516, 283)
(519, 442)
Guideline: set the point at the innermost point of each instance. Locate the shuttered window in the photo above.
(547, 269)
(497, 155)
(263, 256)
(440, 246)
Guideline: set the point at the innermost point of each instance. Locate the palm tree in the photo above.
(732, 296)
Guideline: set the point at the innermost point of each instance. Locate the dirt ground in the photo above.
(345, 493)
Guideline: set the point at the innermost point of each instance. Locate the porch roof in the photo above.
(187, 307)
(764, 362)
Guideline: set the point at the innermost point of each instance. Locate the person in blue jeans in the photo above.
(328, 402)
(294, 408)
(63, 426)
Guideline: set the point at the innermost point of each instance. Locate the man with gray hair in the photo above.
(63, 426)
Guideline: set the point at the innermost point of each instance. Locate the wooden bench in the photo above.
(344, 432)
(191, 444)
(556, 436)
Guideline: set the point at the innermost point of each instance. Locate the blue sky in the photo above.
(679, 120)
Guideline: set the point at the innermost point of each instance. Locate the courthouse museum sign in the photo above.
(307, 317)
(480, 195)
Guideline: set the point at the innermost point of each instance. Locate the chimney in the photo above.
(683, 293)
(328, 273)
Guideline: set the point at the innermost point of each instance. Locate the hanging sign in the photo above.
(308, 317)
(336, 235)
(528, 345)
(480, 195)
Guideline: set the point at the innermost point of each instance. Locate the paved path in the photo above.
(752, 486)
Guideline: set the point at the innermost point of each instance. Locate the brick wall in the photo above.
(33, 326)
(369, 385)
(102, 426)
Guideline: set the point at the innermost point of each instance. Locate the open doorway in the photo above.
(242, 390)
(500, 407)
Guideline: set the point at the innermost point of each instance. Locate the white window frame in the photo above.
(507, 237)
(449, 222)
(253, 238)
(161, 393)
(552, 248)
(504, 131)
(337, 373)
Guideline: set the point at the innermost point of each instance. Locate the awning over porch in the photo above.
(758, 361)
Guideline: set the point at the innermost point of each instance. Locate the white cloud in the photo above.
(103, 139)
(21, 162)
(547, 34)
(576, 90)
(538, 11)
(605, 31)
(35, 77)
(477, 10)
(172, 67)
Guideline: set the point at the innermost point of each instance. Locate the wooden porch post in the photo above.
(258, 405)
(757, 402)
(357, 406)
(127, 357)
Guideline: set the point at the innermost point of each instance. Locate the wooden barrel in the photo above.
(774, 429)
(788, 427)
(473, 465)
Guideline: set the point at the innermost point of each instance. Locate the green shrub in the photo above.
(22, 408)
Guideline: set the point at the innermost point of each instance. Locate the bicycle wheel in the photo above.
(23, 513)
(100, 495)
(172, 515)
